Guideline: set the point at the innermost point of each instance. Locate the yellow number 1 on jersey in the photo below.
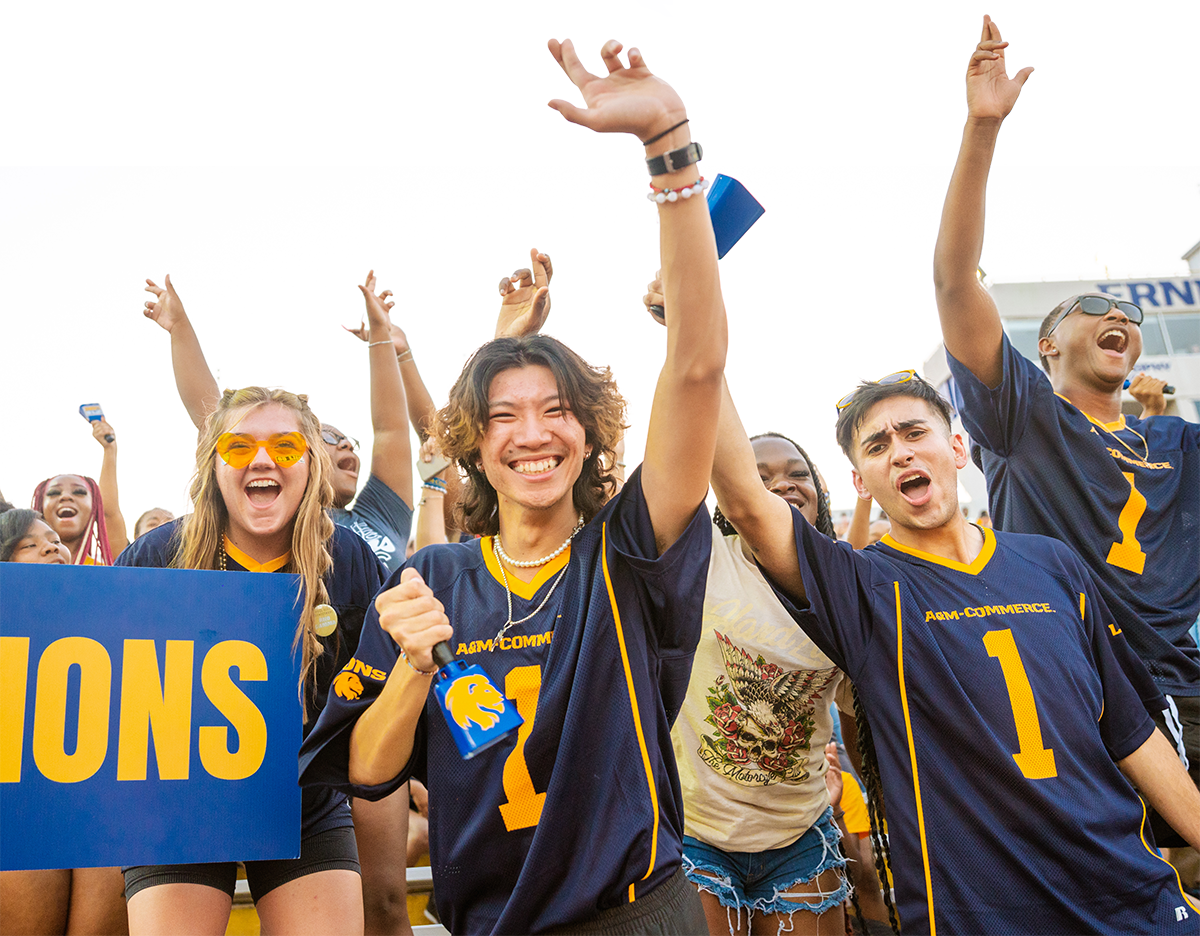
(1036, 762)
(523, 806)
(1128, 554)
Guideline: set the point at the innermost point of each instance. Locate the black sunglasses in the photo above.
(336, 438)
(1100, 305)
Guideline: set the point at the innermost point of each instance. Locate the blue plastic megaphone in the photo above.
(477, 713)
(733, 211)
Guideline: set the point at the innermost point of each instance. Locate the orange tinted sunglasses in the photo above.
(238, 449)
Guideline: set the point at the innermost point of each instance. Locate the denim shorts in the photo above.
(763, 881)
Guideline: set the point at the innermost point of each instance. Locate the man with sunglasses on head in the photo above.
(1007, 711)
(1060, 457)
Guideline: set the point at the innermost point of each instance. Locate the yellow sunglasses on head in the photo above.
(903, 376)
(238, 449)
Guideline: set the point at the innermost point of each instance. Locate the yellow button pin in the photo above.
(324, 620)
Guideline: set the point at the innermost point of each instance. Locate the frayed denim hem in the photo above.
(709, 877)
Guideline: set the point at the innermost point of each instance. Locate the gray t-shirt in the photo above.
(380, 517)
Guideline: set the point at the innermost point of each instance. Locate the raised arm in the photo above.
(114, 520)
(763, 520)
(391, 451)
(970, 323)
(197, 388)
(681, 435)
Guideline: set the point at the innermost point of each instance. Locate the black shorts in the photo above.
(332, 850)
(672, 907)
(1181, 725)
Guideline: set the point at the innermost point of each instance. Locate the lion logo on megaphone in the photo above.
(474, 699)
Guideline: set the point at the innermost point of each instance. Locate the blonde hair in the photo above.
(201, 533)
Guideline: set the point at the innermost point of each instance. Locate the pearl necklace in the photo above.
(534, 563)
(501, 558)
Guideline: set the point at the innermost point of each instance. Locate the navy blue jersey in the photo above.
(582, 810)
(352, 584)
(1125, 496)
(999, 696)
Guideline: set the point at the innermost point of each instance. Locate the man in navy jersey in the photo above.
(583, 607)
(1059, 456)
(996, 682)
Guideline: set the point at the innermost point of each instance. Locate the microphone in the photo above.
(1168, 389)
(476, 712)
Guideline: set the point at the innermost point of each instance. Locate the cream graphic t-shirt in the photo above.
(750, 739)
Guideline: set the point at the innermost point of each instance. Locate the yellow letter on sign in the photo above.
(164, 706)
(14, 681)
(50, 709)
(231, 702)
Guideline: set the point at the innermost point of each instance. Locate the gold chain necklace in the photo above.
(1145, 444)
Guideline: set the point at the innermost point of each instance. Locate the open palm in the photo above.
(627, 100)
(991, 94)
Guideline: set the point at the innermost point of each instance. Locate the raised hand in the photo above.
(627, 100)
(103, 433)
(525, 298)
(166, 309)
(653, 300)
(991, 94)
(378, 305)
(414, 618)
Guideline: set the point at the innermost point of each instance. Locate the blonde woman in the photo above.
(261, 494)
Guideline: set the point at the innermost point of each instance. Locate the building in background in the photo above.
(1170, 340)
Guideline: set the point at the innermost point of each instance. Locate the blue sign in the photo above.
(147, 716)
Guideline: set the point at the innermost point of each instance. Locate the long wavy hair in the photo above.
(589, 392)
(201, 533)
(95, 535)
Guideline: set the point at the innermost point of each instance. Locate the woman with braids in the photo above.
(581, 609)
(261, 497)
(759, 832)
(86, 515)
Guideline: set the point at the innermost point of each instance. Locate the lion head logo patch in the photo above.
(474, 699)
(347, 685)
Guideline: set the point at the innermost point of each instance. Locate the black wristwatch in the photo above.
(675, 160)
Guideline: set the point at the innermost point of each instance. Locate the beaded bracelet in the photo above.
(670, 195)
(372, 344)
(404, 356)
(434, 484)
(404, 656)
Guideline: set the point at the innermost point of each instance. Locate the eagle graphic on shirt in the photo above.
(763, 716)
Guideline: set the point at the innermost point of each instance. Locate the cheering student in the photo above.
(380, 514)
(1059, 456)
(760, 840)
(582, 609)
(996, 682)
(261, 493)
(87, 516)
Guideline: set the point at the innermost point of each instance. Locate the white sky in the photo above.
(266, 155)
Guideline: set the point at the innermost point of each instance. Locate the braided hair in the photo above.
(94, 546)
(873, 786)
(824, 522)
